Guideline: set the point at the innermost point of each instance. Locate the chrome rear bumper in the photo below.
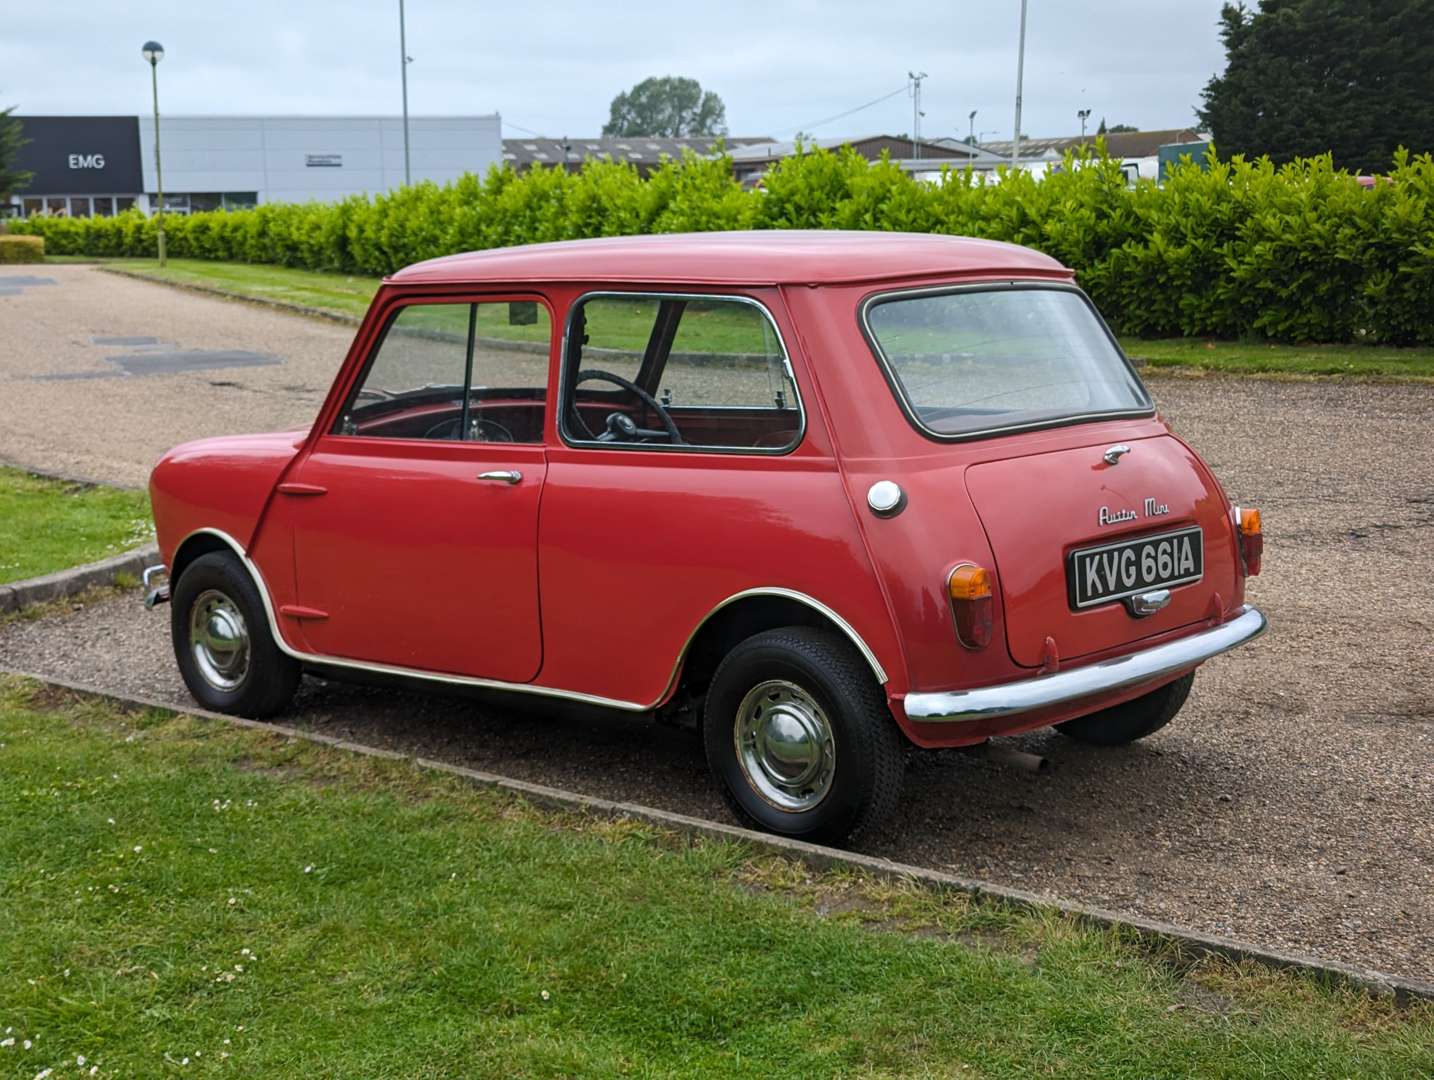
(1064, 687)
(156, 593)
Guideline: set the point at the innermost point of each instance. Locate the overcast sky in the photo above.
(553, 66)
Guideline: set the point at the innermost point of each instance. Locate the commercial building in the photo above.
(642, 152)
(101, 165)
(925, 159)
(1142, 154)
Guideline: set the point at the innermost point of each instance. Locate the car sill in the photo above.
(1063, 687)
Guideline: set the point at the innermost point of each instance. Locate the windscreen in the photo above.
(976, 360)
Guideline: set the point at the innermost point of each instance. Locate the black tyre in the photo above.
(1135, 719)
(799, 738)
(222, 642)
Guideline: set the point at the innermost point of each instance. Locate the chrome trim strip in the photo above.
(523, 688)
(1061, 687)
(682, 448)
(904, 402)
(389, 669)
(788, 594)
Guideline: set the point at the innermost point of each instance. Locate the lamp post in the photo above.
(153, 51)
(971, 137)
(1084, 115)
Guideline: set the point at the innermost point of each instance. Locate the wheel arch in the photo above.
(751, 612)
(201, 542)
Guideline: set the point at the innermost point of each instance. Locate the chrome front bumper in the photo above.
(1064, 687)
(156, 593)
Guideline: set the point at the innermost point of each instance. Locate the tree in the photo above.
(670, 106)
(12, 137)
(1354, 78)
(1114, 129)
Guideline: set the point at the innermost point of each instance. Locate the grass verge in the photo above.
(347, 295)
(184, 897)
(48, 525)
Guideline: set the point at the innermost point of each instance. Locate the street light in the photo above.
(971, 137)
(1084, 115)
(153, 51)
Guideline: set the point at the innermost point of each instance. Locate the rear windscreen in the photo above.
(978, 360)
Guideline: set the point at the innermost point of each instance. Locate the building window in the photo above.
(34, 206)
(123, 203)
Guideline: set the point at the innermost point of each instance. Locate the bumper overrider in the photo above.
(1065, 687)
(156, 585)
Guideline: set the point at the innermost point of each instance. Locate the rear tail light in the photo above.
(1252, 539)
(970, 590)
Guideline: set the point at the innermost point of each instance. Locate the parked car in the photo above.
(834, 495)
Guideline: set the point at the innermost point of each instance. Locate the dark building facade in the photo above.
(82, 165)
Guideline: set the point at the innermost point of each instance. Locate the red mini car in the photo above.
(831, 494)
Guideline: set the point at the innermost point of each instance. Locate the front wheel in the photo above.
(222, 642)
(1131, 720)
(799, 738)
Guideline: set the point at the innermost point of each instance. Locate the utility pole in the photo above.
(916, 113)
(403, 67)
(1020, 78)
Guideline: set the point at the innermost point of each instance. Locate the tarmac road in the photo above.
(1289, 804)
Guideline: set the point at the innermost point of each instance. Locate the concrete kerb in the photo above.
(1187, 944)
(22, 594)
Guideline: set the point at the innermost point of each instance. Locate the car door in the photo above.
(415, 517)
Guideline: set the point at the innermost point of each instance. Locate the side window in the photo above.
(691, 372)
(456, 372)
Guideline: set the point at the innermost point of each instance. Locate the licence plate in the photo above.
(1100, 575)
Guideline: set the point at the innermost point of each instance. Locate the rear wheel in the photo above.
(799, 738)
(1135, 719)
(222, 642)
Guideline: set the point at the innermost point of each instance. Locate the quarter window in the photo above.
(456, 372)
(690, 372)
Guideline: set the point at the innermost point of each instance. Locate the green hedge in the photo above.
(22, 249)
(1300, 252)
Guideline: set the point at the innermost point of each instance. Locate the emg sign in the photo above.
(81, 155)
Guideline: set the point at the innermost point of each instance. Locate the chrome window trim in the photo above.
(524, 688)
(894, 382)
(593, 444)
(401, 303)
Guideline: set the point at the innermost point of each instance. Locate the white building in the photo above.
(100, 164)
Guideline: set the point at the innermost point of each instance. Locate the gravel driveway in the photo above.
(1289, 804)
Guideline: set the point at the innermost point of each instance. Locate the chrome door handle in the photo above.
(507, 476)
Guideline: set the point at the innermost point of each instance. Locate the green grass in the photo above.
(348, 295)
(47, 525)
(342, 294)
(1262, 358)
(180, 897)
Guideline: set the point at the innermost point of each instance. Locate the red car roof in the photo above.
(750, 258)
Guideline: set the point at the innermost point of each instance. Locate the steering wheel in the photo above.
(620, 426)
(479, 430)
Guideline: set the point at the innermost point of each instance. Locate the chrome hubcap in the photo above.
(219, 640)
(785, 745)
